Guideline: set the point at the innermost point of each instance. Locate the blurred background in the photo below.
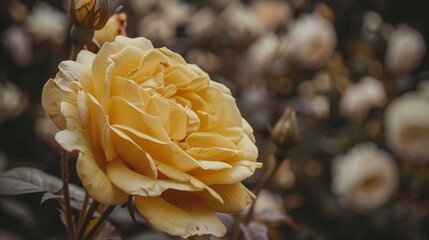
(356, 72)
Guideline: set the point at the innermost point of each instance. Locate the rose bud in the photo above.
(90, 13)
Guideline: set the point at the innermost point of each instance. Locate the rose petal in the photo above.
(179, 176)
(124, 113)
(91, 163)
(130, 152)
(52, 95)
(166, 152)
(180, 214)
(101, 62)
(134, 183)
(240, 170)
(100, 127)
(209, 139)
(236, 197)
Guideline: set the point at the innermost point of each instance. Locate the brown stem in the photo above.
(83, 209)
(65, 178)
(100, 221)
(86, 219)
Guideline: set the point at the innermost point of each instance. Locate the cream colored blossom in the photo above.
(312, 41)
(365, 178)
(407, 126)
(359, 98)
(156, 28)
(272, 13)
(18, 43)
(148, 124)
(405, 49)
(240, 21)
(46, 23)
(202, 23)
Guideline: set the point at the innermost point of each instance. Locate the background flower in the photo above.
(364, 178)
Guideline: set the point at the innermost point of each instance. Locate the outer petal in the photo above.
(91, 162)
(136, 184)
(52, 95)
(180, 214)
(236, 197)
(240, 170)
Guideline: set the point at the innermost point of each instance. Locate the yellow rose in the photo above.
(150, 125)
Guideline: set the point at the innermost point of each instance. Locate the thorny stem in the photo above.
(65, 178)
(83, 209)
(264, 180)
(100, 221)
(86, 219)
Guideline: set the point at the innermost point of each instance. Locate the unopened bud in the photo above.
(286, 132)
(91, 14)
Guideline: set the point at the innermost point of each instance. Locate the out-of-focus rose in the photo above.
(150, 125)
(202, 23)
(241, 22)
(312, 41)
(18, 43)
(405, 49)
(272, 13)
(156, 28)
(46, 23)
(407, 127)
(359, 98)
(365, 178)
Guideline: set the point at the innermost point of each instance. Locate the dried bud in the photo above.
(91, 14)
(285, 132)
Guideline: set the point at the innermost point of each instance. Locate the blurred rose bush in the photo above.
(148, 124)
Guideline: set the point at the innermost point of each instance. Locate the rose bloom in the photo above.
(365, 178)
(149, 125)
(312, 40)
(359, 98)
(405, 49)
(407, 126)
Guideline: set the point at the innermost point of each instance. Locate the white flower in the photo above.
(202, 23)
(272, 13)
(365, 178)
(156, 28)
(405, 49)
(359, 98)
(371, 24)
(47, 23)
(12, 101)
(18, 44)
(407, 127)
(312, 41)
(264, 50)
(240, 21)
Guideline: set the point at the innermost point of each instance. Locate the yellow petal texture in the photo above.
(149, 125)
(91, 163)
(180, 214)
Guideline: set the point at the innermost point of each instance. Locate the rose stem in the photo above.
(83, 209)
(264, 180)
(100, 221)
(65, 178)
(86, 219)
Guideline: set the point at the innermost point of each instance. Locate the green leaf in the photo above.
(28, 180)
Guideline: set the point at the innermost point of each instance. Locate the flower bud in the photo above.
(285, 132)
(90, 13)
